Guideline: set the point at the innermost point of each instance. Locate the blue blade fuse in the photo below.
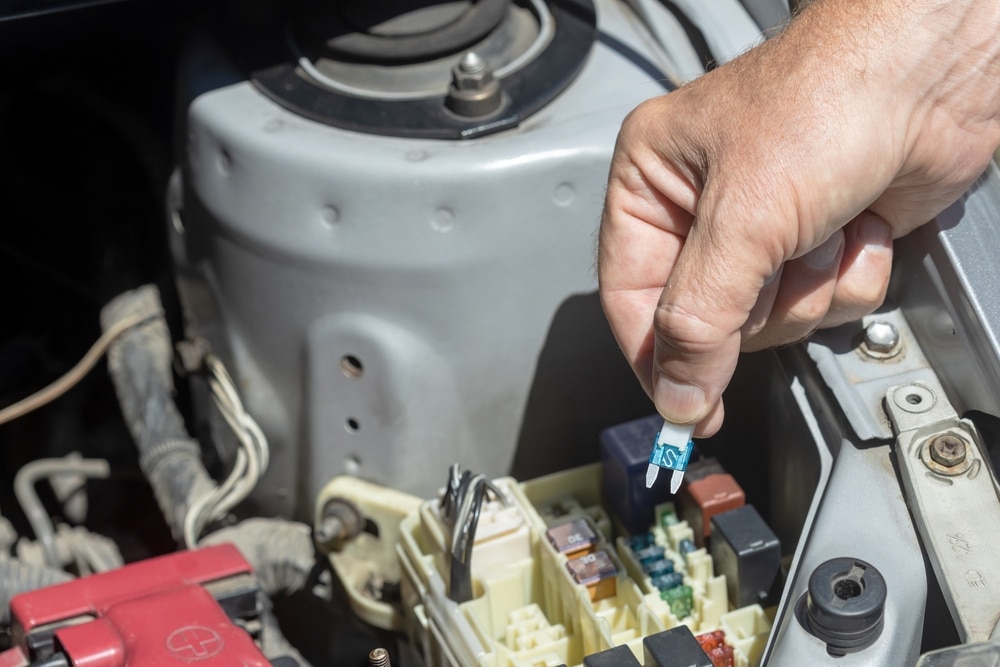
(672, 450)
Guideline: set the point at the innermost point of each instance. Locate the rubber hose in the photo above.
(281, 552)
(17, 577)
(24, 489)
(139, 363)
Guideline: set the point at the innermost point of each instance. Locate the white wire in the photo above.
(684, 63)
(725, 24)
(251, 461)
(78, 372)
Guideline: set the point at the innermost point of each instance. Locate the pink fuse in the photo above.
(573, 538)
(597, 572)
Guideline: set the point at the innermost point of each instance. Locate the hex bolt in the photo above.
(339, 522)
(948, 450)
(473, 91)
(471, 63)
(379, 657)
(881, 337)
(330, 529)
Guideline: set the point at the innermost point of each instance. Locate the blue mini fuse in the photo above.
(672, 450)
(649, 554)
(658, 568)
(668, 580)
(640, 541)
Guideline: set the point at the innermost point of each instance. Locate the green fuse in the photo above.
(668, 516)
(680, 599)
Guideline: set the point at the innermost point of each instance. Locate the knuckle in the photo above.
(685, 331)
(806, 314)
(861, 296)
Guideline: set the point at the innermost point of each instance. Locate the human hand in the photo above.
(758, 203)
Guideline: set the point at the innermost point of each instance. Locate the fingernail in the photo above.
(874, 233)
(826, 254)
(678, 402)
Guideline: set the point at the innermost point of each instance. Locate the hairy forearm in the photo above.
(937, 60)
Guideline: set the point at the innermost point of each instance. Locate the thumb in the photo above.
(707, 299)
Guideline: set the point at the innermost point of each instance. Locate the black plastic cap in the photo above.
(619, 656)
(845, 604)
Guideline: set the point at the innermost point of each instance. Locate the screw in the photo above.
(330, 529)
(339, 522)
(379, 657)
(881, 337)
(948, 450)
(471, 63)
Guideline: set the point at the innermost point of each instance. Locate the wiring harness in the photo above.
(460, 507)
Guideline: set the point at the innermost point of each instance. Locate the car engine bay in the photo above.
(303, 363)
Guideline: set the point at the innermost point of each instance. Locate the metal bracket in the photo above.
(953, 497)
(859, 375)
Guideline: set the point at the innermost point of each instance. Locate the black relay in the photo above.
(619, 656)
(675, 647)
(747, 551)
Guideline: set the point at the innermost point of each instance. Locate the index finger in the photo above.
(642, 233)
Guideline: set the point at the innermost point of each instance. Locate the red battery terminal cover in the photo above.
(163, 611)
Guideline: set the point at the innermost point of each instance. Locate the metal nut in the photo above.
(471, 73)
(473, 91)
(948, 450)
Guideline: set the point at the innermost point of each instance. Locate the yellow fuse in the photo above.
(597, 572)
(573, 538)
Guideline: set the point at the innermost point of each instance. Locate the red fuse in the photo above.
(704, 498)
(711, 640)
(721, 656)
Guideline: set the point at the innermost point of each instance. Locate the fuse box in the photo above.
(539, 601)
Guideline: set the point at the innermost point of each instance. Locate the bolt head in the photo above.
(881, 337)
(471, 73)
(948, 450)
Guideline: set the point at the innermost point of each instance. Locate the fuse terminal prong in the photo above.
(671, 450)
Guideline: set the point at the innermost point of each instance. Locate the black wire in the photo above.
(450, 500)
(54, 660)
(695, 36)
(460, 580)
(463, 537)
